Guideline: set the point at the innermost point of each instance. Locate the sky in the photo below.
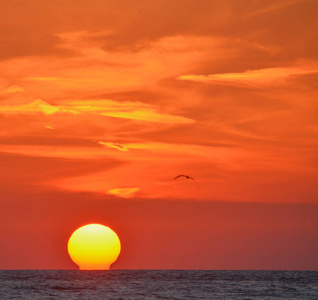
(103, 103)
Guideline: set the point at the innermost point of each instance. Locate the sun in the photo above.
(94, 247)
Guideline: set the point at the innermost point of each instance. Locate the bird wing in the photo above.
(188, 177)
(179, 176)
(194, 181)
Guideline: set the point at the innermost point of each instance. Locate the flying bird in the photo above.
(187, 177)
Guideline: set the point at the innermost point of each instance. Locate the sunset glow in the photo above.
(103, 103)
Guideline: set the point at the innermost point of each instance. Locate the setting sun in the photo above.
(94, 247)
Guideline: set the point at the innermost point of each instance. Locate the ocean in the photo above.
(158, 284)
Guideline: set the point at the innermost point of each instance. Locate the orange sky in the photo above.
(104, 102)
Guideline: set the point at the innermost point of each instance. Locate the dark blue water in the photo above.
(150, 284)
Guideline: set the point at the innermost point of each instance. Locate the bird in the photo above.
(187, 177)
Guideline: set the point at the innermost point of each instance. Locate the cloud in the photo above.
(94, 69)
(110, 108)
(114, 145)
(106, 88)
(57, 151)
(250, 77)
(148, 115)
(12, 89)
(124, 192)
(33, 107)
(272, 7)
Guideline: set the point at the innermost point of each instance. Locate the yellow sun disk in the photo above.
(94, 247)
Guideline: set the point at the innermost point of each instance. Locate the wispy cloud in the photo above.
(12, 89)
(114, 145)
(272, 7)
(34, 107)
(127, 192)
(250, 77)
(114, 95)
(94, 69)
(110, 108)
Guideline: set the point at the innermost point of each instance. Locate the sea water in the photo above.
(158, 284)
